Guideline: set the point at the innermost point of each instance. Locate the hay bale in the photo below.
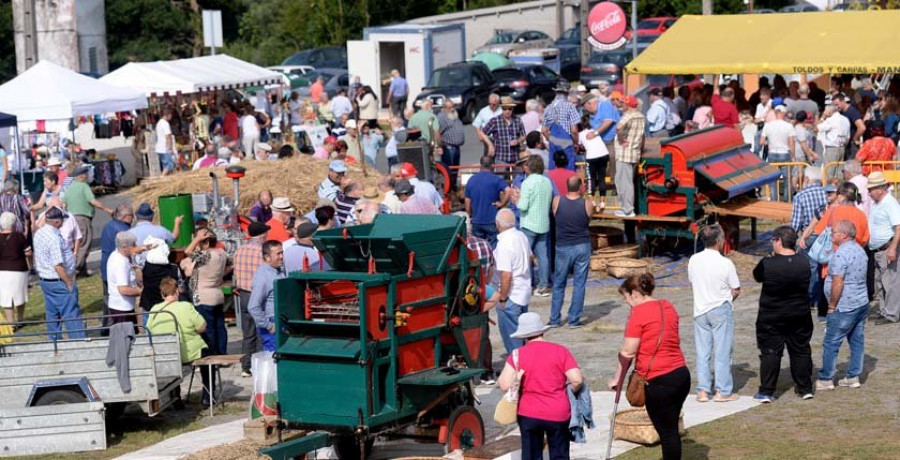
(297, 178)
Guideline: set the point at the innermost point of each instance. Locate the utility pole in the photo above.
(30, 38)
(560, 21)
(707, 7)
(585, 45)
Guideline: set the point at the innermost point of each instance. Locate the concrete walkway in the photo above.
(694, 414)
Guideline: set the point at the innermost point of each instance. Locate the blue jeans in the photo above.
(508, 322)
(714, 331)
(266, 338)
(533, 431)
(166, 161)
(487, 233)
(785, 177)
(538, 243)
(567, 257)
(450, 157)
(840, 325)
(61, 306)
(216, 336)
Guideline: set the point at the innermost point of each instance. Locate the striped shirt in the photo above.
(247, 259)
(451, 131)
(482, 251)
(561, 112)
(534, 203)
(631, 140)
(51, 250)
(345, 209)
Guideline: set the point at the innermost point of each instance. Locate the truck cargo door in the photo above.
(363, 61)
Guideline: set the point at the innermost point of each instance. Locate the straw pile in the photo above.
(297, 178)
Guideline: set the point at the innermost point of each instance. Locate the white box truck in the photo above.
(415, 50)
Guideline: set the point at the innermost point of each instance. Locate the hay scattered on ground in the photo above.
(242, 450)
(296, 178)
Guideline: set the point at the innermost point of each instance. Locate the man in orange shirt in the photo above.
(316, 90)
(281, 216)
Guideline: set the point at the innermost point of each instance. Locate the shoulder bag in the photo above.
(823, 248)
(636, 382)
(508, 406)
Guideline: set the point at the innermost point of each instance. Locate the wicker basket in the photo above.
(623, 268)
(598, 263)
(634, 425)
(618, 252)
(603, 237)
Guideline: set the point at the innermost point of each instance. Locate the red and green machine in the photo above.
(386, 343)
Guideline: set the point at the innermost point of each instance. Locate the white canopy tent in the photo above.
(206, 73)
(47, 91)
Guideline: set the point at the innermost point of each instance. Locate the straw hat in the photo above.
(876, 179)
(372, 194)
(530, 325)
(283, 204)
(507, 101)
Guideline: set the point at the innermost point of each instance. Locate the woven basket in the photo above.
(603, 237)
(634, 425)
(618, 251)
(598, 263)
(623, 268)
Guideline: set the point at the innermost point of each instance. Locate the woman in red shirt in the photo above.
(546, 368)
(651, 335)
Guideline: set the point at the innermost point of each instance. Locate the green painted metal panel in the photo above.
(439, 378)
(339, 348)
(298, 446)
(329, 392)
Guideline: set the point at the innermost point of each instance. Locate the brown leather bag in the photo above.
(634, 392)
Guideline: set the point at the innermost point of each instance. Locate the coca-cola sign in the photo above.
(606, 24)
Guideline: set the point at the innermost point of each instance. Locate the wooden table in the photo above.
(212, 362)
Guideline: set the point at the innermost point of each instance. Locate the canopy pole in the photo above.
(19, 162)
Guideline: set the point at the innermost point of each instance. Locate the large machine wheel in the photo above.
(465, 429)
(54, 397)
(347, 448)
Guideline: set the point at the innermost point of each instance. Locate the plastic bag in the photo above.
(265, 385)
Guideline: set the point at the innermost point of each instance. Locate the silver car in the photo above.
(509, 40)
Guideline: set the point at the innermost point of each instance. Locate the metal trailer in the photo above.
(72, 377)
(386, 344)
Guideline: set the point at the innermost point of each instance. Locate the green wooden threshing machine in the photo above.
(387, 343)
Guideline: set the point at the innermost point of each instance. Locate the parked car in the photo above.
(851, 6)
(655, 26)
(508, 40)
(466, 84)
(529, 81)
(570, 62)
(799, 9)
(292, 69)
(334, 57)
(571, 36)
(761, 11)
(606, 66)
(335, 79)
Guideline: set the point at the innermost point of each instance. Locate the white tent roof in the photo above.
(47, 91)
(191, 75)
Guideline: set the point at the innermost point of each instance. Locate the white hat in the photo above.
(351, 124)
(530, 325)
(264, 146)
(283, 204)
(781, 109)
(54, 161)
(582, 89)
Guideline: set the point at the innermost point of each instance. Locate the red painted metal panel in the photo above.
(420, 289)
(698, 144)
(421, 318)
(376, 298)
(415, 356)
(473, 342)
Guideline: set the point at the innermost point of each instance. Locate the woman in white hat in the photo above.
(545, 369)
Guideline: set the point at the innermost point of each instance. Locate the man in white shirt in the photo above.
(423, 189)
(657, 114)
(834, 132)
(513, 261)
(341, 105)
(123, 284)
(486, 114)
(165, 143)
(779, 135)
(884, 239)
(715, 285)
(302, 248)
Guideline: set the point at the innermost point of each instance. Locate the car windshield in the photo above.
(502, 38)
(508, 74)
(450, 76)
(618, 58)
(569, 34)
(648, 24)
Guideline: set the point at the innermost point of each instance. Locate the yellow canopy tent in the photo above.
(850, 42)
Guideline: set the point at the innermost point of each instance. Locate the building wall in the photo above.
(481, 24)
(67, 30)
(91, 20)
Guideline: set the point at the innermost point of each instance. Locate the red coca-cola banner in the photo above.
(606, 24)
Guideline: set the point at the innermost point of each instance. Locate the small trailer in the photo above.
(58, 394)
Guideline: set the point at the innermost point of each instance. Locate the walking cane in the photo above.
(625, 363)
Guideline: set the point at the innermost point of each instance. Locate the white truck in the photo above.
(415, 50)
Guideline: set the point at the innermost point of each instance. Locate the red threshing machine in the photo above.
(695, 177)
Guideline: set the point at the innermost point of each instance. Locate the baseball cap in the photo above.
(616, 96)
(631, 101)
(338, 166)
(257, 228)
(777, 101)
(330, 140)
(830, 188)
(306, 229)
(407, 170)
(781, 108)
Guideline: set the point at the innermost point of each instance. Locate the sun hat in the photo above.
(144, 212)
(283, 204)
(264, 146)
(54, 161)
(351, 124)
(876, 179)
(338, 166)
(587, 98)
(530, 325)
(507, 101)
(372, 194)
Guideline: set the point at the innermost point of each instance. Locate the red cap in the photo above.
(408, 170)
(330, 140)
(631, 101)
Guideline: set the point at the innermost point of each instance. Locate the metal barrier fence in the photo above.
(892, 174)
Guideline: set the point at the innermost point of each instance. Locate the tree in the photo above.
(147, 30)
(7, 42)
